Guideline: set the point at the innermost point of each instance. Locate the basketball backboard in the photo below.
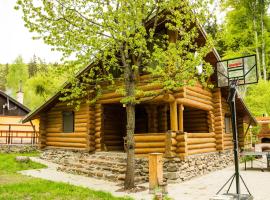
(242, 69)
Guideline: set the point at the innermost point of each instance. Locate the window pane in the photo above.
(227, 125)
(68, 121)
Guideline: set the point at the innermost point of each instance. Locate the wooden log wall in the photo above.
(54, 125)
(152, 119)
(228, 137)
(112, 97)
(196, 97)
(91, 129)
(98, 127)
(141, 119)
(146, 143)
(240, 129)
(114, 128)
(196, 121)
(181, 149)
(219, 120)
(163, 118)
(198, 143)
(42, 131)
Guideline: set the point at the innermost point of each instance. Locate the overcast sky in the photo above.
(16, 40)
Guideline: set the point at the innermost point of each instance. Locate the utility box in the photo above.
(155, 171)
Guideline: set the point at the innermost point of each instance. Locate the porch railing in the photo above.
(10, 136)
(146, 143)
(195, 143)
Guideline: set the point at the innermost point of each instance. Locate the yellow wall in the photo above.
(16, 124)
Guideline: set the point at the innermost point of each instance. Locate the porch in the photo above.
(168, 128)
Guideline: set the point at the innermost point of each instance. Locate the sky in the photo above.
(16, 40)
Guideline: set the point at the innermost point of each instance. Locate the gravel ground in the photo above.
(200, 188)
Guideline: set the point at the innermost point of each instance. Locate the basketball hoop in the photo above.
(232, 73)
(243, 68)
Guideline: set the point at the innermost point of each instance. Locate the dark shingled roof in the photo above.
(18, 104)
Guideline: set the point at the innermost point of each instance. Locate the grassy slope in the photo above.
(14, 186)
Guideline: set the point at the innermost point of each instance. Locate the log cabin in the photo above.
(193, 120)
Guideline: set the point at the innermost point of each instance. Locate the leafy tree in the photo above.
(17, 72)
(258, 98)
(246, 31)
(3, 76)
(123, 38)
(43, 85)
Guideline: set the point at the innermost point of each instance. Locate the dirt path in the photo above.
(200, 188)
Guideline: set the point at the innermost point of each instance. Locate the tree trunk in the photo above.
(130, 171)
(257, 46)
(263, 42)
(129, 77)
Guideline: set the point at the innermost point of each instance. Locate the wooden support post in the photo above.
(181, 117)
(173, 116)
(155, 171)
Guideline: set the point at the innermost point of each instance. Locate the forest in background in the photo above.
(245, 30)
(39, 80)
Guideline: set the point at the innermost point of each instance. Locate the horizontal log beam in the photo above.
(201, 135)
(201, 146)
(194, 104)
(68, 140)
(200, 151)
(200, 140)
(63, 144)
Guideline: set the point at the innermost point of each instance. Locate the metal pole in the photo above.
(235, 135)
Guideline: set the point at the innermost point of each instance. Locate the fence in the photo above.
(18, 134)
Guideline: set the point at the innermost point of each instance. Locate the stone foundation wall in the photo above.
(175, 169)
(17, 148)
(111, 165)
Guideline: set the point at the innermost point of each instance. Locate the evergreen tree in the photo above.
(32, 66)
(17, 72)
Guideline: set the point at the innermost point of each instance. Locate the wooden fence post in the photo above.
(9, 131)
(155, 171)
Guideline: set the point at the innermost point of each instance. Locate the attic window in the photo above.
(68, 121)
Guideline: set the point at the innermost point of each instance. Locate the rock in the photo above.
(22, 159)
(172, 175)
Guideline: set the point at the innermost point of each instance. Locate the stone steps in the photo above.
(102, 165)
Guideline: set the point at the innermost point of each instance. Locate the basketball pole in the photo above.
(231, 101)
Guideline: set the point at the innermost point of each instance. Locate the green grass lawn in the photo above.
(19, 187)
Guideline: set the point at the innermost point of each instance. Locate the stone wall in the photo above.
(111, 165)
(17, 148)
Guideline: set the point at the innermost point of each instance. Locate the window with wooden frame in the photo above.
(68, 121)
(228, 124)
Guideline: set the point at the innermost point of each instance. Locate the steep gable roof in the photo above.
(18, 104)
